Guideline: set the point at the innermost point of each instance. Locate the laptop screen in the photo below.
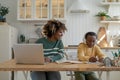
(29, 53)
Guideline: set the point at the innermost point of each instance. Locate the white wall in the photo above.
(80, 23)
(77, 24)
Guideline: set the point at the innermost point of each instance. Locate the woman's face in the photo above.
(91, 40)
(58, 35)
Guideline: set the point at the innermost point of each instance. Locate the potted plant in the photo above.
(103, 15)
(3, 12)
(22, 38)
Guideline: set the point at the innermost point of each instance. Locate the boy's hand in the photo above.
(101, 60)
(92, 59)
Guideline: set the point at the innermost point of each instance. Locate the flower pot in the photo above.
(2, 19)
(103, 18)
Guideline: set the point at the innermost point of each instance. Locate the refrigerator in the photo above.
(8, 37)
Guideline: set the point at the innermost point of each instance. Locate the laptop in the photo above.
(28, 53)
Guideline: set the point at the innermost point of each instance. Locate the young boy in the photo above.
(89, 51)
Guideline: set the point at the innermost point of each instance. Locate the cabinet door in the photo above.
(58, 9)
(25, 9)
(42, 9)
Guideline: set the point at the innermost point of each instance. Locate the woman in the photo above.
(89, 51)
(53, 49)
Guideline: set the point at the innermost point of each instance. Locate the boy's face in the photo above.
(91, 41)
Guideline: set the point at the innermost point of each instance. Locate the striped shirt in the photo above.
(52, 49)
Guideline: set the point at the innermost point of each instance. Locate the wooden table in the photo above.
(12, 66)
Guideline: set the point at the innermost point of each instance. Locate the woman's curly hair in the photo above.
(52, 26)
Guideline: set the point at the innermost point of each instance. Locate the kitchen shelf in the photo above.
(79, 11)
(43, 21)
(114, 21)
(118, 22)
(110, 3)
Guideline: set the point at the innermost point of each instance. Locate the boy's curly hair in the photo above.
(52, 26)
(91, 34)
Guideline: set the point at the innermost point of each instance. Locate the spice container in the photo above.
(109, 0)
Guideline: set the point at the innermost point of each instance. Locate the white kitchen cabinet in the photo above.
(41, 9)
(8, 36)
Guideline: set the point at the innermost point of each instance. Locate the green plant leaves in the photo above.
(3, 10)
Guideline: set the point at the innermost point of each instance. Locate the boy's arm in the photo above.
(100, 54)
(81, 53)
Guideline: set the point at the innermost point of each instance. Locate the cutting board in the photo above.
(102, 37)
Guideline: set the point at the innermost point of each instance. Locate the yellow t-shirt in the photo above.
(84, 52)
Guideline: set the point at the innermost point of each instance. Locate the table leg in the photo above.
(12, 75)
(72, 75)
(25, 73)
(99, 75)
(15, 75)
(107, 75)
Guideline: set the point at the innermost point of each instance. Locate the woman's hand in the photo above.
(92, 59)
(47, 59)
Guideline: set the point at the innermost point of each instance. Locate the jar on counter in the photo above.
(105, 0)
(109, 0)
(117, 0)
(114, 1)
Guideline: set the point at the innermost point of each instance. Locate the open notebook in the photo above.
(28, 53)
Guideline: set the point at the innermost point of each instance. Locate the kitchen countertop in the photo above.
(75, 47)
